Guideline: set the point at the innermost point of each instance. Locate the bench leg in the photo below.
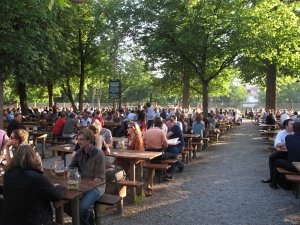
(98, 211)
(120, 207)
(190, 155)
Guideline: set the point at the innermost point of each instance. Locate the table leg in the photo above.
(43, 147)
(75, 211)
(59, 212)
(34, 141)
(132, 177)
(139, 177)
(63, 157)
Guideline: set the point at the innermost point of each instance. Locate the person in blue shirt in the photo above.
(198, 125)
(174, 131)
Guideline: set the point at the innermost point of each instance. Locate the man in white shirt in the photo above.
(279, 142)
(85, 120)
(132, 116)
(150, 115)
(284, 116)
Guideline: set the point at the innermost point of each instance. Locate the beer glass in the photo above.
(58, 169)
(73, 178)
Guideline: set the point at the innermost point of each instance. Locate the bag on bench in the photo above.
(113, 175)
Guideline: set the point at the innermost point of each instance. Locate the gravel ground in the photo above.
(221, 186)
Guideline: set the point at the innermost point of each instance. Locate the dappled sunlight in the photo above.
(292, 218)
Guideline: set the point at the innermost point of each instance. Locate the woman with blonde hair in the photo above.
(25, 183)
(135, 141)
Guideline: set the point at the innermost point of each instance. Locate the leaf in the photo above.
(50, 5)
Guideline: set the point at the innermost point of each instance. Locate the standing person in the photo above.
(292, 143)
(27, 193)
(91, 164)
(279, 142)
(150, 115)
(163, 114)
(15, 124)
(174, 132)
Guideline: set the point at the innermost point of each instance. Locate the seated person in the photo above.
(59, 125)
(25, 182)
(198, 125)
(85, 120)
(279, 142)
(292, 143)
(92, 165)
(135, 141)
(18, 137)
(70, 126)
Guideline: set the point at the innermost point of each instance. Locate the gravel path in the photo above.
(221, 186)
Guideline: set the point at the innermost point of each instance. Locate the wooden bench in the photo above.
(152, 167)
(130, 184)
(296, 180)
(184, 157)
(284, 171)
(110, 200)
(190, 152)
(164, 161)
(283, 182)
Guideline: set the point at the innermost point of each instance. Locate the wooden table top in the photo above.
(297, 165)
(84, 186)
(132, 154)
(191, 135)
(63, 148)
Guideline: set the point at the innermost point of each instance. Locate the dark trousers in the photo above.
(283, 163)
(275, 156)
(149, 124)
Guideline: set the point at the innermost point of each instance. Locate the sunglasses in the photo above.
(130, 127)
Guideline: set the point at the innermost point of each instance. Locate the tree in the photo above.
(273, 37)
(203, 35)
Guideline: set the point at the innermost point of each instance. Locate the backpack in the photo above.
(113, 175)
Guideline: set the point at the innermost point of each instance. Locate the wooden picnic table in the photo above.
(63, 150)
(40, 136)
(189, 138)
(71, 195)
(135, 158)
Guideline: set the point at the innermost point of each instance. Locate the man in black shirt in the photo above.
(15, 124)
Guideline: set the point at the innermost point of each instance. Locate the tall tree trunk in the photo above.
(205, 97)
(2, 78)
(50, 93)
(23, 98)
(271, 87)
(82, 65)
(68, 92)
(186, 92)
(93, 97)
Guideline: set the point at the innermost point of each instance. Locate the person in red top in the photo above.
(98, 117)
(59, 125)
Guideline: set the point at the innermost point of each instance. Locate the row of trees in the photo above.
(199, 47)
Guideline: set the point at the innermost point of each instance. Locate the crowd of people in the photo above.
(146, 128)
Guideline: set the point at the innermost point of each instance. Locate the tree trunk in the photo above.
(68, 92)
(2, 78)
(50, 93)
(93, 97)
(271, 87)
(186, 92)
(82, 65)
(205, 98)
(23, 98)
